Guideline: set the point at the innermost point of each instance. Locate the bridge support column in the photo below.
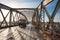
(10, 17)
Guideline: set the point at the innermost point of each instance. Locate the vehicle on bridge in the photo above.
(22, 23)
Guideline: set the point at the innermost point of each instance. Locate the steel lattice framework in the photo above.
(37, 18)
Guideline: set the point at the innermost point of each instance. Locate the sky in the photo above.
(50, 9)
(21, 3)
(31, 4)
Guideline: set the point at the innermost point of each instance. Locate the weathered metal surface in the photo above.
(45, 3)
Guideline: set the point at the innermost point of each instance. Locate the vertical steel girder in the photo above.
(43, 7)
(10, 17)
(35, 15)
(40, 15)
(41, 10)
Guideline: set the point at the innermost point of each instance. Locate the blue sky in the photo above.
(31, 4)
(51, 6)
(50, 9)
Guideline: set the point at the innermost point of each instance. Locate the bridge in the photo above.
(36, 29)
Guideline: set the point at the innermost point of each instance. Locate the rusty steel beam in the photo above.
(56, 9)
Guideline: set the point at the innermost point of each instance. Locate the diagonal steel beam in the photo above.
(46, 12)
(42, 6)
(56, 9)
(3, 17)
(4, 7)
(10, 18)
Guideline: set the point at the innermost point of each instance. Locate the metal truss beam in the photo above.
(11, 9)
(46, 12)
(4, 7)
(3, 18)
(24, 8)
(45, 3)
(56, 9)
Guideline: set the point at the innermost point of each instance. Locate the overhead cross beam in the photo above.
(4, 7)
(45, 3)
(24, 8)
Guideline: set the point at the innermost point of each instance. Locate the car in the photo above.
(22, 23)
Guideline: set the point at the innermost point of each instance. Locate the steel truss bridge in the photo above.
(15, 14)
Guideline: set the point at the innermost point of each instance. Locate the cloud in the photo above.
(19, 3)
